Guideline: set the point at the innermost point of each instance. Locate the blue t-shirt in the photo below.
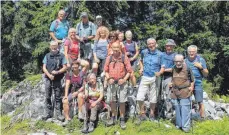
(168, 59)
(152, 62)
(100, 48)
(196, 72)
(85, 30)
(60, 28)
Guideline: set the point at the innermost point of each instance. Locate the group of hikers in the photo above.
(93, 67)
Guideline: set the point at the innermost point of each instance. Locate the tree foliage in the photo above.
(25, 27)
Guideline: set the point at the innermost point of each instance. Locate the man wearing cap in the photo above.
(168, 58)
(151, 67)
(199, 69)
(59, 28)
(85, 32)
(54, 66)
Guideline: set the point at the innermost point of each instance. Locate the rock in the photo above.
(220, 113)
(25, 101)
(211, 103)
(167, 126)
(43, 133)
(225, 107)
(209, 110)
(205, 95)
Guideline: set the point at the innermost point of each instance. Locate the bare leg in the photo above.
(122, 109)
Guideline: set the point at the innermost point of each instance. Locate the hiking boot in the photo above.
(45, 117)
(186, 130)
(59, 116)
(111, 121)
(140, 119)
(122, 123)
(91, 127)
(85, 127)
(65, 122)
(152, 119)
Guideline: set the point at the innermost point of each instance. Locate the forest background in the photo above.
(25, 27)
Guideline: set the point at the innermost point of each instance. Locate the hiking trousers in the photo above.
(56, 84)
(183, 113)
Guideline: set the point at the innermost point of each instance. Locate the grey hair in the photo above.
(178, 56)
(61, 11)
(53, 43)
(192, 46)
(149, 39)
(128, 33)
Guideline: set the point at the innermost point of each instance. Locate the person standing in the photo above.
(182, 87)
(85, 32)
(54, 67)
(199, 69)
(59, 29)
(151, 67)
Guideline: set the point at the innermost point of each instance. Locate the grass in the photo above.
(34, 79)
(208, 127)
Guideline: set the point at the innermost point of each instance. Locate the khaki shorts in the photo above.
(147, 88)
(120, 90)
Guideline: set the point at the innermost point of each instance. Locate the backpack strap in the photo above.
(56, 24)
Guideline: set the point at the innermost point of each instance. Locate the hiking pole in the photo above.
(117, 105)
(191, 114)
(85, 115)
(158, 90)
(53, 98)
(109, 101)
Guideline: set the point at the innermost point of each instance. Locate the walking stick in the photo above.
(53, 98)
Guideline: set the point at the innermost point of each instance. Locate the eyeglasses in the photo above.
(177, 61)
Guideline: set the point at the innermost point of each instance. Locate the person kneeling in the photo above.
(92, 100)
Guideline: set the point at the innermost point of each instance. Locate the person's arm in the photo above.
(93, 32)
(94, 51)
(141, 67)
(86, 91)
(67, 85)
(47, 73)
(162, 64)
(100, 95)
(77, 33)
(51, 31)
(106, 67)
(205, 72)
(137, 52)
(168, 70)
(63, 69)
(90, 37)
(192, 79)
(53, 36)
(202, 67)
(66, 44)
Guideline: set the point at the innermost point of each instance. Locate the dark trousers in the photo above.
(56, 84)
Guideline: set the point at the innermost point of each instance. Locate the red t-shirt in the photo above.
(73, 48)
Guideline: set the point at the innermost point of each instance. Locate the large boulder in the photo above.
(25, 101)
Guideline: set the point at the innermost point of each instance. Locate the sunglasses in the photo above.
(112, 36)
